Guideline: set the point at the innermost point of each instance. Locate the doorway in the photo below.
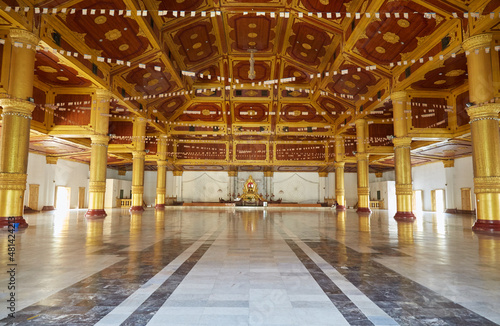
(81, 197)
(438, 200)
(63, 198)
(418, 201)
(466, 199)
(33, 196)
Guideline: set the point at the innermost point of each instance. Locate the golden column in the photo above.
(16, 120)
(485, 133)
(402, 159)
(362, 159)
(339, 172)
(99, 154)
(139, 155)
(161, 178)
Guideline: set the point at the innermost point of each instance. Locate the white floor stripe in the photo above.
(373, 312)
(120, 313)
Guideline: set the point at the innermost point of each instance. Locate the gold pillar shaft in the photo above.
(362, 165)
(138, 165)
(99, 154)
(485, 133)
(339, 172)
(402, 159)
(16, 120)
(161, 178)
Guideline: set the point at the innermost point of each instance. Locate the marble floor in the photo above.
(250, 266)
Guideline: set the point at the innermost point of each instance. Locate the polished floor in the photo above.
(251, 266)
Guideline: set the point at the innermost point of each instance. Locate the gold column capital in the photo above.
(122, 172)
(103, 94)
(97, 186)
(379, 174)
(24, 36)
(137, 189)
(360, 122)
(233, 173)
(51, 159)
(363, 191)
(268, 174)
(362, 156)
(99, 140)
(399, 96)
(477, 42)
(339, 164)
(161, 163)
(484, 112)
(12, 181)
(139, 154)
(323, 174)
(402, 141)
(177, 173)
(17, 107)
(404, 189)
(487, 185)
(449, 163)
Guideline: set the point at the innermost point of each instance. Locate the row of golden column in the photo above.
(17, 114)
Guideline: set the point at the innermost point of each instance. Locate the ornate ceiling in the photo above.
(319, 65)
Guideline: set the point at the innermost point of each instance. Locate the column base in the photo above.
(405, 217)
(95, 214)
(5, 221)
(160, 206)
(48, 208)
(341, 208)
(363, 210)
(136, 209)
(486, 226)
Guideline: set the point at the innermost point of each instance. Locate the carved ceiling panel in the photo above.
(353, 83)
(241, 71)
(48, 70)
(452, 74)
(195, 43)
(202, 112)
(250, 112)
(308, 43)
(386, 39)
(150, 81)
(251, 32)
(169, 106)
(117, 37)
(300, 112)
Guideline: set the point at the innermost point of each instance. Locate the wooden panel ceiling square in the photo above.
(353, 83)
(450, 74)
(301, 75)
(240, 70)
(251, 32)
(47, 145)
(385, 39)
(150, 81)
(195, 43)
(308, 43)
(300, 112)
(49, 70)
(250, 112)
(168, 106)
(113, 36)
(445, 150)
(202, 112)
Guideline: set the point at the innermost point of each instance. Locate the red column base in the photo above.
(486, 226)
(95, 214)
(341, 208)
(136, 209)
(405, 217)
(363, 210)
(160, 206)
(5, 221)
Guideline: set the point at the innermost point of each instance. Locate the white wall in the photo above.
(386, 176)
(113, 187)
(150, 179)
(297, 187)
(113, 174)
(351, 188)
(170, 188)
(432, 176)
(200, 186)
(64, 173)
(464, 178)
(387, 193)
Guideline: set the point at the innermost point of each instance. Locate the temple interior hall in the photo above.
(250, 162)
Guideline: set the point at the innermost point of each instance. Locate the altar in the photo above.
(250, 196)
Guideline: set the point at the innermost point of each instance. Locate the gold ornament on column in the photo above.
(485, 134)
